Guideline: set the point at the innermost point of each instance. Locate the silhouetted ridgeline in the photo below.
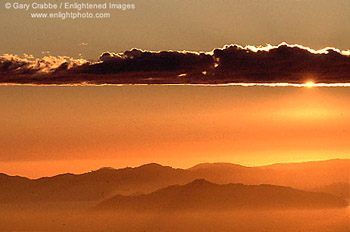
(107, 182)
(203, 195)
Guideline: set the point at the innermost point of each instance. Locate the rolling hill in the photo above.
(203, 195)
(106, 182)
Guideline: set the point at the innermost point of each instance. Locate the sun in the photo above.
(309, 84)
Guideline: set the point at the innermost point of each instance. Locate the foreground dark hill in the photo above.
(203, 195)
(106, 182)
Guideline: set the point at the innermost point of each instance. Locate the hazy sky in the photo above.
(50, 130)
(178, 25)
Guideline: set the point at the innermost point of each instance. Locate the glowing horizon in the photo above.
(131, 125)
(308, 84)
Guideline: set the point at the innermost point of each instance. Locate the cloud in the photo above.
(15, 65)
(144, 61)
(283, 63)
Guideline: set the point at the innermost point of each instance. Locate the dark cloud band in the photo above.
(231, 64)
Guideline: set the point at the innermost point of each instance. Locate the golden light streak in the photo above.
(305, 85)
(310, 84)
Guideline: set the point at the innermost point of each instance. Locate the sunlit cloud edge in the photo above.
(305, 85)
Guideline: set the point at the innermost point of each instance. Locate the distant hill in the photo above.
(203, 195)
(91, 186)
(106, 182)
(337, 189)
(305, 175)
(313, 173)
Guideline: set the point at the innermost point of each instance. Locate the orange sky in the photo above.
(50, 130)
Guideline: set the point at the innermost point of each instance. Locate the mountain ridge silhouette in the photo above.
(103, 183)
(204, 195)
